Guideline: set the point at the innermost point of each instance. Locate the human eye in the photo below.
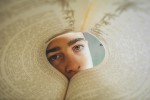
(78, 48)
(54, 57)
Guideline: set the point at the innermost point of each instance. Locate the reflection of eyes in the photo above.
(78, 48)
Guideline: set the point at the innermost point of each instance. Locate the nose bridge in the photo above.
(72, 61)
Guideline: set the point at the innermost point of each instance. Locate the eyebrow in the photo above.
(71, 42)
(53, 50)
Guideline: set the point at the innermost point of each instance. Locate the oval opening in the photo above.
(72, 52)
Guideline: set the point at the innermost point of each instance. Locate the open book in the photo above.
(122, 27)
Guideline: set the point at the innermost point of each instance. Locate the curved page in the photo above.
(123, 28)
(25, 73)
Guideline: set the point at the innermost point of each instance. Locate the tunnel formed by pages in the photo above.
(121, 26)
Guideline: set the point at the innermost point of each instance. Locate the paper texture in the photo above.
(25, 73)
(122, 27)
(124, 73)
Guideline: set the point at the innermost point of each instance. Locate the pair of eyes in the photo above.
(76, 48)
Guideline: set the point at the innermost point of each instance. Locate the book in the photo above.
(122, 27)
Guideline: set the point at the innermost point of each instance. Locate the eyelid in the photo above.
(79, 43)
(60, 56)
(74, 49)
(52, 54)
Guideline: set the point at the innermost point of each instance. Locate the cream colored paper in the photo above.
(25, 73)
(124, 73)
(122, 26)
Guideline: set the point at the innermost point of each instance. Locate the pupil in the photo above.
(78, 47)
(54, 57)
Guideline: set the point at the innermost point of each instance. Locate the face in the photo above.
(69, 53)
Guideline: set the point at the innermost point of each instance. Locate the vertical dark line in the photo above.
(66, 90)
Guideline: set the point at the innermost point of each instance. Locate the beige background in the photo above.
(122, 27)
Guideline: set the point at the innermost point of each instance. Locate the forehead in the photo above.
(64, 38)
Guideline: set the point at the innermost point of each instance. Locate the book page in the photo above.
(123, 28)
(27, 26)
(25, 73)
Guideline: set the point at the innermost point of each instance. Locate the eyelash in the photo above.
(57, 56)
(53, 59)
(76, 49)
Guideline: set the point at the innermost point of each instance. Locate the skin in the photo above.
(69, 53)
